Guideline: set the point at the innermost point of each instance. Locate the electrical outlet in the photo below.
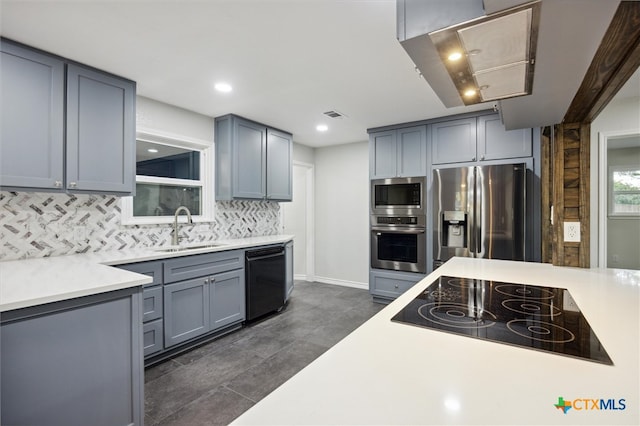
(572, 232)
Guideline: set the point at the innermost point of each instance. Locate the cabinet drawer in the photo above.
(201, 265)
(152, 269)
(152, 303)
(391, 284)
(152, 337)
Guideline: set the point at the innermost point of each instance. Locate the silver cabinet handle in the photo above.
(212, 280)
(482, 158)
(58, 184)
(397, 286)
(73, 184)
(473, 158)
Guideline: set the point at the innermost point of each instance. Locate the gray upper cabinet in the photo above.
(279, 166)
(100, 132)
(97, 111)
(482, 138)
(494, 142)
(398, 153)
(32, 126)
(454, 141)
(253, 161)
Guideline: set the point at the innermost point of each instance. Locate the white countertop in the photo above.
(391, 373)
(31, 282)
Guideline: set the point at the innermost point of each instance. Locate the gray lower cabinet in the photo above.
(153, 336)
(398, 153)
(288, 253)
(76, 362)
(386, 285)
(152, 305)
(81, 142)
(226, 298)
(202, 293)
(253, 161)
(186, 307)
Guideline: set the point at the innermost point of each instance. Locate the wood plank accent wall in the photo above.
(566, 168)
(546, 180)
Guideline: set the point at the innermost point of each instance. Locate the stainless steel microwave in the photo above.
(398, 196)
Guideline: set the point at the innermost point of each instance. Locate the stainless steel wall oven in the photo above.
(398, 243)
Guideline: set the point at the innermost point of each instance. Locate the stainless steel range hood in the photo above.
(545, 70)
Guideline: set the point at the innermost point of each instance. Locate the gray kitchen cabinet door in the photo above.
(32, 119)
(186, 310)
(383, 155)
(75, 362)
(249, 159)
(412, 151)
(454, 141)
(494, 142)
(153, 338)
(100, 132)
(288, 255)
(279, 166)
(227, 298)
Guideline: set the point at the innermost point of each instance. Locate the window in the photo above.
(624, 191)
(171, 171)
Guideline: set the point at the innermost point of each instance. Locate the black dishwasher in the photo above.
(265, 276)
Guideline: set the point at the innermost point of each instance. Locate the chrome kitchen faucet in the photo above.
(176, 238)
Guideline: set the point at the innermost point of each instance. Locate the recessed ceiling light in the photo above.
(469, 93)
(322, 127)
(455, 56)
(152, 150)
(223, 87)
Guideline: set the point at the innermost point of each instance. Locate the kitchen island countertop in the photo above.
(392, 373)
(32, 282)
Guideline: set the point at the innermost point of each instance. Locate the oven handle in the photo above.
(399, 230)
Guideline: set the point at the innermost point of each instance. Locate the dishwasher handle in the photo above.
(266, 252)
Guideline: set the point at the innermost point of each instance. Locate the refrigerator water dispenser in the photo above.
(454, 226)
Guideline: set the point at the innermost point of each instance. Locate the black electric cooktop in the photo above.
(541, 318)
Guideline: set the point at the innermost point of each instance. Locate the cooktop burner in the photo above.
(542, 318)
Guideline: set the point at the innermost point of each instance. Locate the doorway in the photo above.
(297, 219)
(619, 203)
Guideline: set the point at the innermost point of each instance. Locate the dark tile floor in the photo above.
(215, 383)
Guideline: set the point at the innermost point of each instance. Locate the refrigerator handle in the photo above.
(478, 213)
(471, 218)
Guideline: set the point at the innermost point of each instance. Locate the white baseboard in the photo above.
(344, 283)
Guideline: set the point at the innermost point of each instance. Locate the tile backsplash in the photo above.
(43, 224)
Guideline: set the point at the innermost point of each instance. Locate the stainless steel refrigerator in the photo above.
(479, 211)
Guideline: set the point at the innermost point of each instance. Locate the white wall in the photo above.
(619, 116)
(341, 214)
(170, 119)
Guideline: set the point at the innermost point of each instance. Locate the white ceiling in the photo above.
(288, 60)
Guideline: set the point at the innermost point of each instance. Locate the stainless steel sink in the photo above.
(174, 249)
